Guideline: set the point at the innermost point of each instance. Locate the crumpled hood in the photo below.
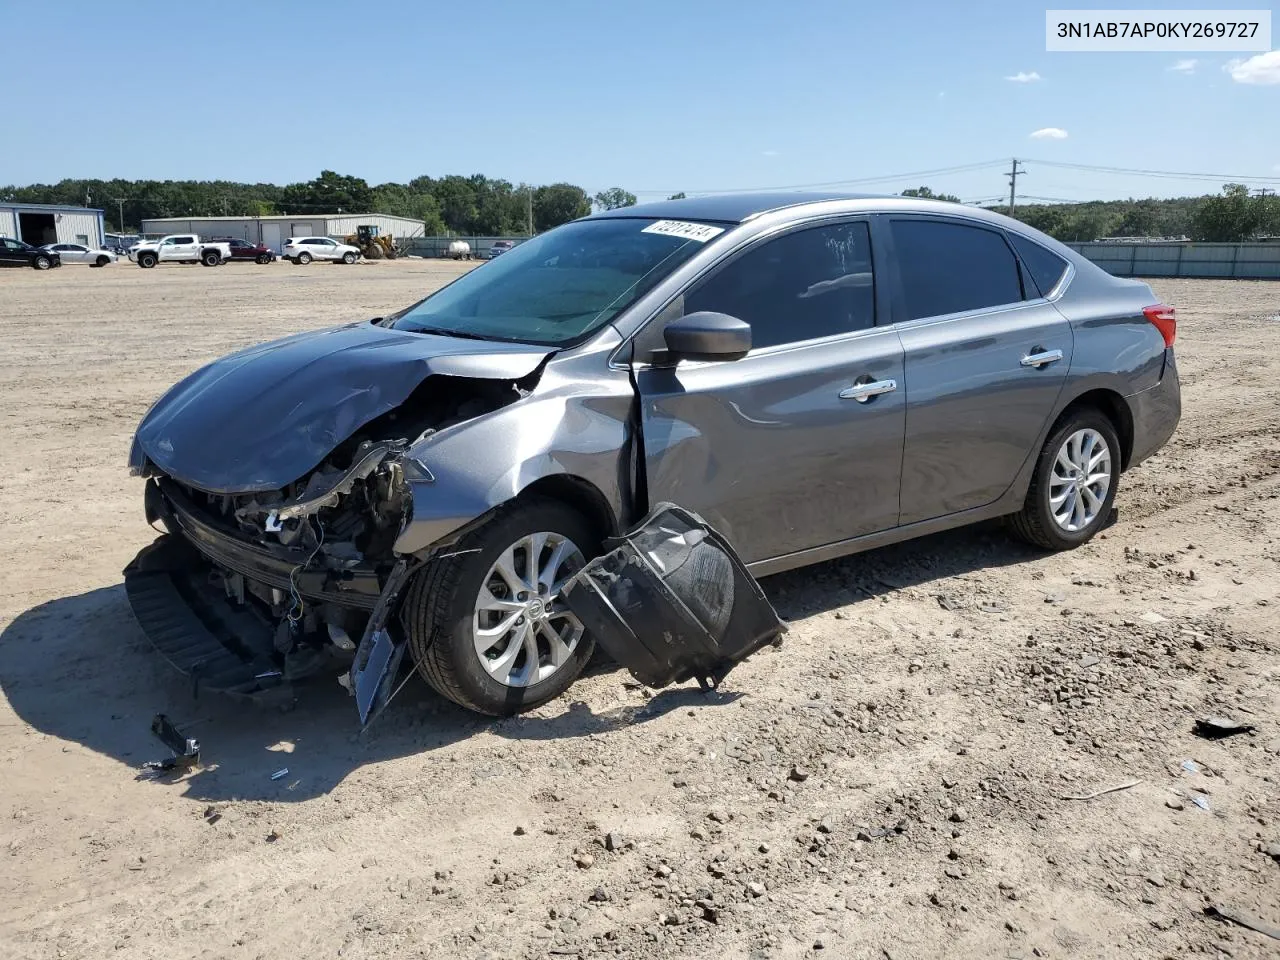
(261, 418)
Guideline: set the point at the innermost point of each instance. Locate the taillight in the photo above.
(1164, 319)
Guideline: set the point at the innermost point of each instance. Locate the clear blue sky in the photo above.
(654, 97)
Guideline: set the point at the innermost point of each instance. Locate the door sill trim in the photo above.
(870, 541)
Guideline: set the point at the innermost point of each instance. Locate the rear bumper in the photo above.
(1156, 412)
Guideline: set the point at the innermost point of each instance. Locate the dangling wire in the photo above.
(296, 607)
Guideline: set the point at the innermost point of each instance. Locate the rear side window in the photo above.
(950, 267)
(1045, 268)
(808, 284)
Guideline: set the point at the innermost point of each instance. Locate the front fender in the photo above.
(570, 426)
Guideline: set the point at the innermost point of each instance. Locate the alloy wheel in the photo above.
(522, 632)
(1080, 479)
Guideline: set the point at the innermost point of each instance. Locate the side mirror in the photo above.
(707, 335)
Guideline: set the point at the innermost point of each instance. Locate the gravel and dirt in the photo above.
(894, 781)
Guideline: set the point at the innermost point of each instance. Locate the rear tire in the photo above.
(439, 612)
(1052, 493)
(211, 258)
(302, 259)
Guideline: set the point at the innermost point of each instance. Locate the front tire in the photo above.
(146, 260)
(486, 628)
(42, 262)
(1074, 484)
(102, 261)
(349, 258)
(263, 258)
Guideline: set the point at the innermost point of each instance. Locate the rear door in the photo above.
(776, 450)
(986, 357)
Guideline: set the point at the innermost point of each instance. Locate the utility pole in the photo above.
(1013, 184)
(120, 201)
(529, 198)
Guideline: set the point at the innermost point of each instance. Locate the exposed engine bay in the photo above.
(305, 566)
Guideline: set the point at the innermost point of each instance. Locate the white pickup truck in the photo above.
(180, 248)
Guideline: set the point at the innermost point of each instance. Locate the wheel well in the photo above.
(580, 494)
(1116, 410)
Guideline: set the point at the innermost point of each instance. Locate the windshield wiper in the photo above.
(460, 334)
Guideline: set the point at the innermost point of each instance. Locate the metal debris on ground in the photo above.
(280, 774)
(1105, 790)
(1201, 802)
(1243, 919)
(1215, 728)
(671, 601)
(1190, 766)
(186, 750)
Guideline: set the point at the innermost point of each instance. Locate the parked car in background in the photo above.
(302, 250)
(244, 250)
(180, 248)
(500, 247)
(79, 253)
(16, 253)
(814, 376)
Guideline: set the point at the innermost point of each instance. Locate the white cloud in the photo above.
(1185, 66)
(1049, 133)
(768, 153)
(1264, 69)
(1023, 77)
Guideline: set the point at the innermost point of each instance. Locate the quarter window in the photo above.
(1046, 268)
(811, 283)
(952, 267)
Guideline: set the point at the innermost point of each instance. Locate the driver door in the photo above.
(784, 449)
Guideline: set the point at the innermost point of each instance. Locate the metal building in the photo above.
(41, 223)
(274, 230)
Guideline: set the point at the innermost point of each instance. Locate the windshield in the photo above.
(561, 285)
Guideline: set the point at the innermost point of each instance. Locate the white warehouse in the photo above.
(41, 223)
(274, 230)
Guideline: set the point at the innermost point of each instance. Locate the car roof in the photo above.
(730, 207)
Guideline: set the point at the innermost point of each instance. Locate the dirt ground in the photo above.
(890, 783)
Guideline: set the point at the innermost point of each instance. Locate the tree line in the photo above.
(468, 206)
(482, 206)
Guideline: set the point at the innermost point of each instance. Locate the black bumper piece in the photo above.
(223, 647)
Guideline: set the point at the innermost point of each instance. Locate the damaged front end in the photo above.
(253, 586)
(248, 593)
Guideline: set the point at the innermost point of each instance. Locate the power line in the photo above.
(937, 172)
(1167, 174)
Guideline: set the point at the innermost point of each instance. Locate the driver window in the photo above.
(810, 283)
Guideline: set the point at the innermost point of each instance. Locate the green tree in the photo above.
(677, 196)
(1228, 218)
(924, 193)
(558, 203)
(613, 198)
(329, 193)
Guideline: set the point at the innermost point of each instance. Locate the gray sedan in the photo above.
(813, 375)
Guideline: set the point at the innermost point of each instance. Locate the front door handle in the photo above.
(862, 392)
(1041, 358)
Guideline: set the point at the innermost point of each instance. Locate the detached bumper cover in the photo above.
(190, 621)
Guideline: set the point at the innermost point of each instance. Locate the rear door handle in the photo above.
(862, 392)
(1041, 358)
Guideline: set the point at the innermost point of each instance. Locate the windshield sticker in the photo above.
(700, 232)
